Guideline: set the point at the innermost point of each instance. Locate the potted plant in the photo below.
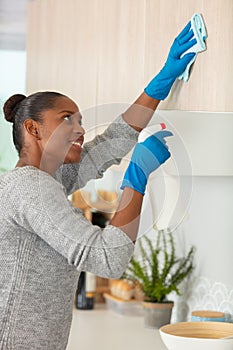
(159, 272)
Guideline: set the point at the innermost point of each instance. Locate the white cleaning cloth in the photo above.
(199, 30)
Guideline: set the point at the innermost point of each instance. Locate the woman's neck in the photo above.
(48, 167)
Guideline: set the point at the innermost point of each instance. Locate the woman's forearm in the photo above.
(147, 156)
(127, 216)
(141, 111)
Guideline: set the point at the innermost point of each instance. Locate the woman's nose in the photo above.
(77, 127)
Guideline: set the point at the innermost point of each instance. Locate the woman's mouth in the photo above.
(77, 144)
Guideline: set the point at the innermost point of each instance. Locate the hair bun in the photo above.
(11, 106)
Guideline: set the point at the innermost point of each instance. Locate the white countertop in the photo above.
(103, 329)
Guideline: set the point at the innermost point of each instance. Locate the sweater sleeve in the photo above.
(98, 155)
(40, 205)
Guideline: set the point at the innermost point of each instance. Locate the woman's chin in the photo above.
(72, 160)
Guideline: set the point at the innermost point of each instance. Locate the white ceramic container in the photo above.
(197, 336)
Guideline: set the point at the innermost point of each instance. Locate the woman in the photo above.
(45, 241)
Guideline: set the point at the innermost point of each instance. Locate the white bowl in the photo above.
(197, 336)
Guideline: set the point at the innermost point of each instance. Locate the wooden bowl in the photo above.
(197, 336)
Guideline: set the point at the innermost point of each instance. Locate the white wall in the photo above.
(209, 227)
(12, 73)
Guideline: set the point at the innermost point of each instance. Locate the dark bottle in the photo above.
(99, 219)
(87, 281)
(85, 291)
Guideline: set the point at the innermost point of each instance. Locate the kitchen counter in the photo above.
(103, 329)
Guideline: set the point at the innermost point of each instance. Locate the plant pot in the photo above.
(157, 315)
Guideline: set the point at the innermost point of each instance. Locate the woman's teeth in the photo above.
(76, 143)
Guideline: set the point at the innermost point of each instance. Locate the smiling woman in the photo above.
(45, 242)
(47, 129)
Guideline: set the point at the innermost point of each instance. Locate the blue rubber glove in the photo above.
(147, 157)
(160, 86)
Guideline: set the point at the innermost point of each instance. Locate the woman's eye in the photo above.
(68, 117)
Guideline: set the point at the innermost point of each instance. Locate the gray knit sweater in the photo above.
(45, 243)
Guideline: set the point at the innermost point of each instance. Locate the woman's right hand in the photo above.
(146, 158)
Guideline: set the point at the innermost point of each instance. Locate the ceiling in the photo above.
(12, 24)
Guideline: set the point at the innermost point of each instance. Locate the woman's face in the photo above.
(61, 133)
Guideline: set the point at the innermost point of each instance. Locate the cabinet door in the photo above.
(210, 86)
(92, 51)
(61, 49)
(106, 51)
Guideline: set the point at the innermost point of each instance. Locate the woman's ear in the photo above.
(31, 126)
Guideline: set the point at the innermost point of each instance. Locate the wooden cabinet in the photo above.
(102, 53)
(105, 51)
(90, 50)
(210, 86)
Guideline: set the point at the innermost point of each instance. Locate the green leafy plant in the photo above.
(159, 271)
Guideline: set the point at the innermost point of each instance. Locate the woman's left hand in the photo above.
(161, 84)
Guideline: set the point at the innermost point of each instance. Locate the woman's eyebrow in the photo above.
(65, 111)
(71, 112)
